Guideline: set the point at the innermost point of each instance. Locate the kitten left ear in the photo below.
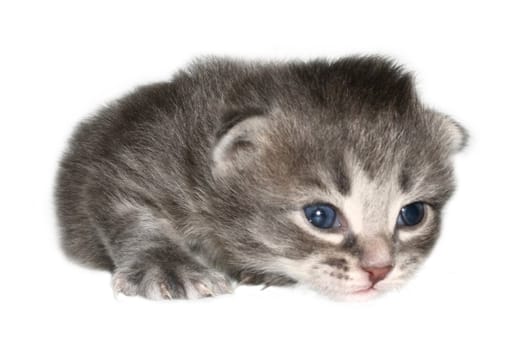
(453, 134)
(238, 141)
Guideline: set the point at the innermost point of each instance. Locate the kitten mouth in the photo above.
(365, 291)
(363, 294)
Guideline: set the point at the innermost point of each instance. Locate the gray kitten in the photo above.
(327, 173)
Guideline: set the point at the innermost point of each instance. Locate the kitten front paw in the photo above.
(158, 284)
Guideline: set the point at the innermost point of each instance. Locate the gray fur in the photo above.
(140, 192)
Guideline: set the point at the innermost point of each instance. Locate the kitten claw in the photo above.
(211, 285)
(164, 291)
(202, 289)
(121, 286)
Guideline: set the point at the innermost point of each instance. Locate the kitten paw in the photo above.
(157, 284)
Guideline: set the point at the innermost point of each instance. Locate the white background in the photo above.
(60, 61)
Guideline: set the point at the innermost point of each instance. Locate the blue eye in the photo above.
(321, 215)
(411, 215)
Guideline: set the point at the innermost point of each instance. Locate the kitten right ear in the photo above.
(238, 141)
(453, 134)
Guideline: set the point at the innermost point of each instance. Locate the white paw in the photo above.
(159, 285)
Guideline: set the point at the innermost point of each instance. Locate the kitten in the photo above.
(327, 173)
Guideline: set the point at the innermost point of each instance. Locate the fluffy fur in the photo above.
(183, 188)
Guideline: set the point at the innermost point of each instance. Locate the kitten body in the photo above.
(185, 187)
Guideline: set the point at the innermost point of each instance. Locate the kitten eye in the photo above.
(411, 215)
(322, 215)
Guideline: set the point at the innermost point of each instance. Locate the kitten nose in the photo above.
(377, 273)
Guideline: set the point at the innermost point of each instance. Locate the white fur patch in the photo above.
(372, 207)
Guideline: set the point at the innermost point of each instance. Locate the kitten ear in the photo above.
(238, 141)
(452, 133)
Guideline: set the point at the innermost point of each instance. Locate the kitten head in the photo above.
(339, 183)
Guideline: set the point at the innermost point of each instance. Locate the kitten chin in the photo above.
(328, 173)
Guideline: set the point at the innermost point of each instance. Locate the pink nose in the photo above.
(377, 273)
